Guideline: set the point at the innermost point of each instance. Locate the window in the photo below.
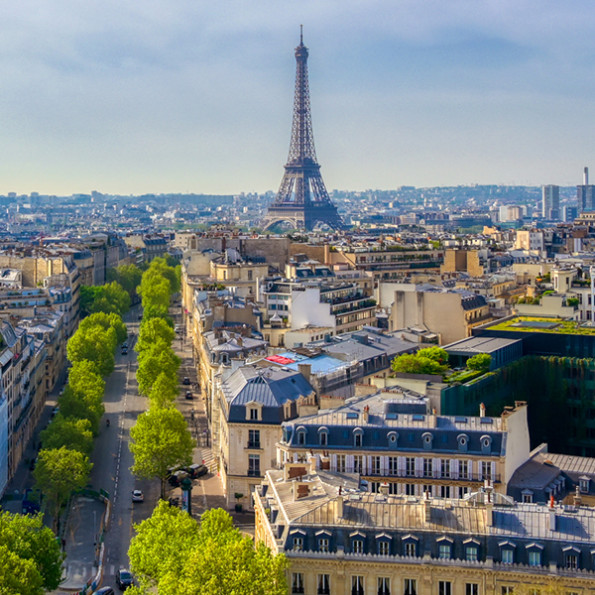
(340, 463)
(357, 439)
(444, 551)
(357, 585)
(584, 484)
(324, 584)
(410, 548)
(534, 558)
(409, 466)
(254, 465)
(444, 588)
(471, 589)
(375, 465)
(471, 553)
(358, 466)
(297, 583)
(383, 548)
(409, 586)
(323, 438)
(410, 489)
(507, 555)
(463, 469)
(323, 544)
(572, 561)
(253, 413)
(445, 468)
(445, 491)
(392, 465)
(485, 470)
(383, 585)
(298, 544)
(358, 546)
(253, 438)
(507, 590)
(428, 468)
(527, 496)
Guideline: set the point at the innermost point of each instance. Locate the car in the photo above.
(124, 350)
(186, 381)
(125, 345)
(175, 479)
(189, 394)
(105, 591)
(137, 496)
(124, 579)
(197, 470)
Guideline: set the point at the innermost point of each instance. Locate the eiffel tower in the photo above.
(302, 200)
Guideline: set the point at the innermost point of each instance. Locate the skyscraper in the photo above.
(585, 193)
(550, 202)
(302, 200)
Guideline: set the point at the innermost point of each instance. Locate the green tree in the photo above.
(106, 321)
(73, 433)
(128, 276)
(93, 344)
(164, 391)
(84, 378)
(436, 354)
(154, 361)
(82, 405)
(210, 558)
(111, 298)
(30, 541)
(87, 297)
(18, 576)
(160, 440)
(152, 331)
(480, 362)
(60, 471)
(416, 364)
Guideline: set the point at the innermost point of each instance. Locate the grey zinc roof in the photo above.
(573, 464)
(480, 345)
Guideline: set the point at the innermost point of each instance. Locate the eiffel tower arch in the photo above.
(302, 199)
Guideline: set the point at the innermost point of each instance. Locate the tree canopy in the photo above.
(163, 391)
(30, 556)
(409, 363)
(71, 432)
(94, 344)
(109, 298)
(158, 359)
(82, 405)
(480, 362)
(60, 471)
(160, 440)
(179, 556)
(127, 275)
(152, 331)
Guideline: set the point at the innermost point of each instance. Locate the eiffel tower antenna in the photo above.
(302, 199)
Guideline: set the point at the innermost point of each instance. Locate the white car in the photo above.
(137, 496)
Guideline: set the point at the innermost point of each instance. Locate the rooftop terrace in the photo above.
(542, 325)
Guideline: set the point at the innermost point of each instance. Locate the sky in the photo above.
(156, 96)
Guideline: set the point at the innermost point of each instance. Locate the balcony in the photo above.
(253, 473)
(475, 477)
(253, 444)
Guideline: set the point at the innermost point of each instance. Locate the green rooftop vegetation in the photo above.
(543, 325)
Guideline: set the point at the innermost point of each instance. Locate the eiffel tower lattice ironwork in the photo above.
(302, 199)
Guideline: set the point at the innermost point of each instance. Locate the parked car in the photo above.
(105, 591)
(124, 579)
(197, 470)
(124, 350)
(175, 479)
(186, 381)
(189, 394)
(137, 496)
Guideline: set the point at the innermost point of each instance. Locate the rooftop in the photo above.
(542, 325)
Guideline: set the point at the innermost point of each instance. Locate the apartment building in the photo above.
(402, 444)
(342, 541)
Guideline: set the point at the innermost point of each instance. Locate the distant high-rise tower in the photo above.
(585, 194)
(302, 199)
(550, 202)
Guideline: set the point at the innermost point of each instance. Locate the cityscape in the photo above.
(312, 391)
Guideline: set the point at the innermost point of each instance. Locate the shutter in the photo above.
(493, 472)
(383, 465)
(436, 467)
(334, 463)
(349, 463)
(454, 468)
(471, 470)
(419, 467)
(401, 466)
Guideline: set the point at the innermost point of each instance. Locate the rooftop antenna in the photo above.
(301, 34)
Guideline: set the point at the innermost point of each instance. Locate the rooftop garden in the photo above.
(543, 325)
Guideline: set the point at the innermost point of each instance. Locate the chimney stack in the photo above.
(552, 513)
(366, 414)
(578, 499)
(427, 507)
(482, 410)
(586, 176)
(384, 488)
(339, 506)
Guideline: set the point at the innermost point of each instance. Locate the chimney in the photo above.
(305, 370)
(366, 414)
(339, 507)
(482, 410)
(586, 176)
(552, 513)
(578, 499)
(384, 488)
(490, 514)
(427, 507)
